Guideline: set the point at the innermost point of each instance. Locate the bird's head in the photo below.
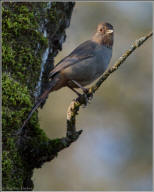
(104, 35)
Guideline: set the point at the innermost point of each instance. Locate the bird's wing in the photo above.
(83, 51)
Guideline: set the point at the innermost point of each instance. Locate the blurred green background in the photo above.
(114, 151)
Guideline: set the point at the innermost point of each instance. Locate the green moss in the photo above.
(16, 105)
(14, 94)
(22, 47)
(20, 40)
(21, 67)
(15, 97)
(12, 172)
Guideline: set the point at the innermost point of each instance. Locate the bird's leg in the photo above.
(74, 90)
(79, 94)
(87, 97)
(85, 90)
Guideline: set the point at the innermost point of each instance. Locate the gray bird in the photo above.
(82, 66)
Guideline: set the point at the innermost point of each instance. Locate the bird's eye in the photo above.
(101, 29)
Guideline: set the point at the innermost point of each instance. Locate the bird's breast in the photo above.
(103, 57)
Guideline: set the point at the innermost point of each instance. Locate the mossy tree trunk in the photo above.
(32, 35)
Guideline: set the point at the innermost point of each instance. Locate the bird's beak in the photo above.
(109, 31)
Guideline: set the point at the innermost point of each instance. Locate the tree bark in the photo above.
(32, 35)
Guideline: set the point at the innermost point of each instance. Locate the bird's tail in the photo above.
(37, 104)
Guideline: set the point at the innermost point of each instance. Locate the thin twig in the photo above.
(75, 104)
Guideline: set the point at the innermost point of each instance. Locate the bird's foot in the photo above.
(85, 101)
(85, 98)
(88, 98)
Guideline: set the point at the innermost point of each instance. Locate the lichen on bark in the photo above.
(23, 45)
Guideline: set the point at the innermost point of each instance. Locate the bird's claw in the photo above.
(87, 99)
(90, 96)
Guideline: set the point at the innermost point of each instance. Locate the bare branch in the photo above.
(75, 104)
